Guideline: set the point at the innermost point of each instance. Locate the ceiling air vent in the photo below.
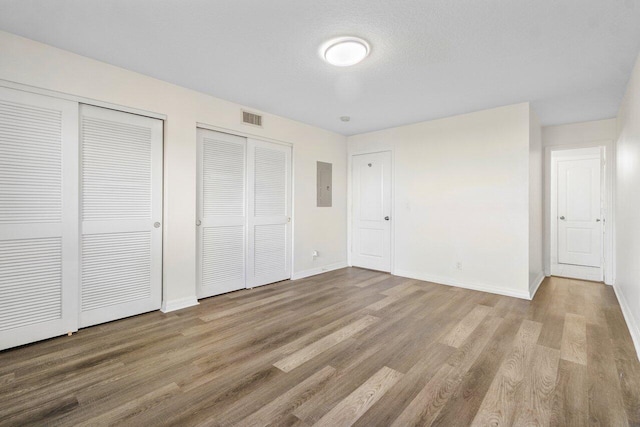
(251, 119)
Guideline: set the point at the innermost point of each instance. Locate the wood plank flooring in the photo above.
(349, 347)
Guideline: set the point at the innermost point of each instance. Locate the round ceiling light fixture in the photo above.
(345, 51)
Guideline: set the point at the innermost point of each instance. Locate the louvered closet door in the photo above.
(269, 254)
(38, 217)
(221, 207)
(121, 212)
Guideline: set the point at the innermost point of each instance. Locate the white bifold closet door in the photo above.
(221, 213)
(269, 208)
(38, 217)
(243, 213)
(121, 213)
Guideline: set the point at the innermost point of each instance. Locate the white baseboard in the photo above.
(632, 322)
(467, 285)
(178, 304)
(533, 286)
(318, 270)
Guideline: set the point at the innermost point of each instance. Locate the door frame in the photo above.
(350, 204)
(607, 155)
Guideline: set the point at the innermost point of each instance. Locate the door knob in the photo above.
(562, 218)
(198, 222)
(386, 218)
(156, 224)
(597, 219)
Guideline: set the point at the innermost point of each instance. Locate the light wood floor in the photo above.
(347, 347)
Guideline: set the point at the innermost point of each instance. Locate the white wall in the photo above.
(536, 230)
(627, 284)
(461, 195)
(28, 62)
(579, 133)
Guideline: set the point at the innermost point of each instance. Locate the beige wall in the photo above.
(31, 63)
(461, 195)
(579, 133)
(536, 228)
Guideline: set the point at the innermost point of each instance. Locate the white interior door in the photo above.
(38, 217)
(121, 214)
(269, 207)
(221, 213)
(579, 212)
(371, 221)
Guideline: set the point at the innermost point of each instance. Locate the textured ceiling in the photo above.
(429, 59)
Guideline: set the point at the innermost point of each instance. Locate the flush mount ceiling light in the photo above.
(345, 51)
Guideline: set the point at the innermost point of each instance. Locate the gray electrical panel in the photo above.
(324, 184)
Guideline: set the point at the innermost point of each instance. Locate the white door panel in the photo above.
(121, 214)
(579, 212)
(371, 226)
(38, 217)
(269, 207)
(372, 242)
(221, 233)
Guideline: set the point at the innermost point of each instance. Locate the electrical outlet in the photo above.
(459, 265)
